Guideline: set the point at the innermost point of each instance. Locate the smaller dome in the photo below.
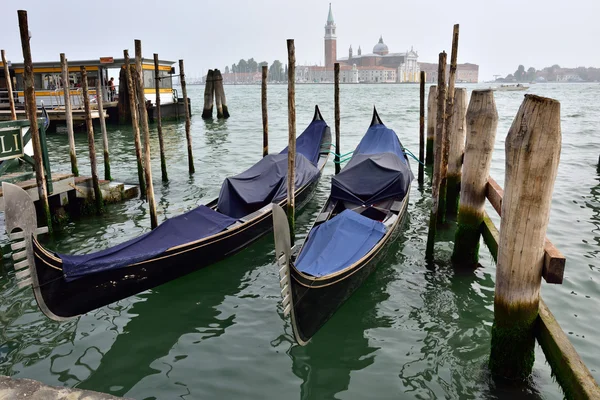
(381, 48)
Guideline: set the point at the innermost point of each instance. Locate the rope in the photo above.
(407, 151)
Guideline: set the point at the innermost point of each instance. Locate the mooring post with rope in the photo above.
(291, 204)
(336, 95)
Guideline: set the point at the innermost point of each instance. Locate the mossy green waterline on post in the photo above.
(532, 156)
(439, 143)
(291, 203)
(91, 145)
(481, 121)
(431, 118)
(31, 108)
(457, 132)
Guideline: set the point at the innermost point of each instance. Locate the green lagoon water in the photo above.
(413, 331)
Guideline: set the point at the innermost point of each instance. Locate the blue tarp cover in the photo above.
(266, 181)
(377, 171)
(338, 243)
(263, 183)
(193, 225)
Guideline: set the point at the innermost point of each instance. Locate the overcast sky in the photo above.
(497, 35)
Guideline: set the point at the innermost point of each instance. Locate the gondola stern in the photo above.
(317, 116)
(376, 120)
(283, 252)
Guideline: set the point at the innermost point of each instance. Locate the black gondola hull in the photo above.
(60, 299)
(315, 301)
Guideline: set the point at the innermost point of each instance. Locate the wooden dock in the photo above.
(57, 115)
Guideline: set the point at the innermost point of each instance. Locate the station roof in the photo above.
(107, 62)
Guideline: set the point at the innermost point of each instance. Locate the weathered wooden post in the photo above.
(161, 143)
(11, 99)
(218, 80)
(447, 125)
(100, 102)
(186, 104)
(135, 123)
(265, 117)
(456, 132)
(139, 78)
(68, 114)
(31, 107)
(436, 194)
(223, 98)
(482, 121)
(91, 144)
(431, 121)
(209, 93)
(532, 154)
(336, 97)
(421, 127)
(291, 203)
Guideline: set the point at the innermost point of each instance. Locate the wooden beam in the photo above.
(567, 367)
(554, 260)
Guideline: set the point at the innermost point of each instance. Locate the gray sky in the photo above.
(497, 35)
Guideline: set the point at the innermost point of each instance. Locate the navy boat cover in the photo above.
(196, 224)
(266, 181)
(338, 243)
(377, 171)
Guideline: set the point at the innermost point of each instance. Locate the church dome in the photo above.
(381, 48)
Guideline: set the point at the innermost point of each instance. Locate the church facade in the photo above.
(380, 66)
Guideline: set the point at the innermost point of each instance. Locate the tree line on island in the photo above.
(553, 74)
(277, 70)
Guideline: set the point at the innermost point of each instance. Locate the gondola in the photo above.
(368, 200)
(66, 286)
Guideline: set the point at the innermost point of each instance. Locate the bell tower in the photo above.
(330, 41)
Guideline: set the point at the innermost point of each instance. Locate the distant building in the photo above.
(465, 73)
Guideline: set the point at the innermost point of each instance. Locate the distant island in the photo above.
(553, 74)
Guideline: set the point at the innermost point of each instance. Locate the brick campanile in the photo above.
(330, 41)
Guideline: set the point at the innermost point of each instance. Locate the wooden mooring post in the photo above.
(31, 107)
(291, 203)
(532, 155)
(135, 126)
(209, 94)
(431, 121)
(482, 121)
(456, 132)
(139, 88)
(68, 113)
(91, 145)
(336, 98)
(265, 116)
(421, 127)
(161, 143)
(100, 103)
(186, 104)
(436, 209)
(8, 79)
(222, 110)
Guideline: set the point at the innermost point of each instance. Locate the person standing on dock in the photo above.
(111, 92)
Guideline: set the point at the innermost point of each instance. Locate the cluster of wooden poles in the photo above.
(460, 143)
(213, 90)
(139, 119)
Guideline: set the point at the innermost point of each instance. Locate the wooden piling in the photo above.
(449, 108)
(291, 203)
(161, 143)
(336, 97)
(135, 123)
(31, 107)
(482, 121)
(186, 104)
(431, 121)
(456, 132)
(68, 113)
(532, 156)
(8, 79)
(139, 79)
(223, 98)
(217, 80)
(421, 127)
(265, 117)
(100, 102)
(91, 144)
(209, 93)
(436, 210)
